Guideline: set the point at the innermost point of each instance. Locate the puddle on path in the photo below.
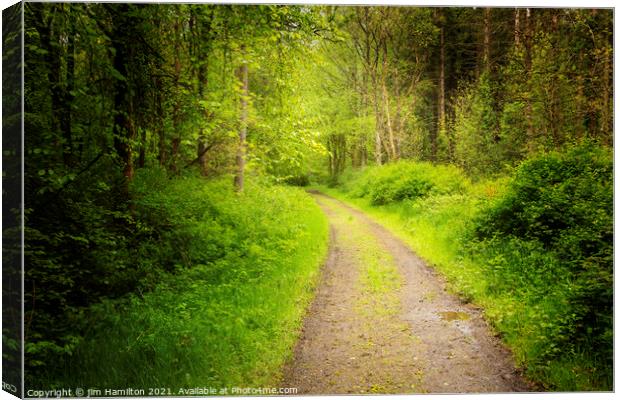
(453, 315)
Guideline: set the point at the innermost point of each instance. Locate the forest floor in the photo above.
(382, 322)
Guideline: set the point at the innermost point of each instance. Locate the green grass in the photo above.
(231, 315)
(524, 289)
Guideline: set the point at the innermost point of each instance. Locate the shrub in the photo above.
(562, 204)
(229, 276)
(298, 180)
(408, 180)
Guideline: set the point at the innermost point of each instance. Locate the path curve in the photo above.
(382, 322)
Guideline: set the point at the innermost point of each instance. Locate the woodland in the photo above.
(170, 240)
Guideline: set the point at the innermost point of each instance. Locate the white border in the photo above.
(456, 3)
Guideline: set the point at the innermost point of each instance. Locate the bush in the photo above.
(229, 276)
(558, 213)
(408, 180)
(298, 180)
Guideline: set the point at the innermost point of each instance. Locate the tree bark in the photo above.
(486, 50)
(124, 129)
(67, 97)
(528, 70)
(441, 112)
(386, 103)
(517, 28)
(176, 111)
(161, 133)
(142, 155)
(200, 31)
(605, 126)
(202, 139)
(242, 74)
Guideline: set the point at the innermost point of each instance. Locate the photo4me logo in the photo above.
(9, 387)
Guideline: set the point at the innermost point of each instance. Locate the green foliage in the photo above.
(114, 91)
(298, 180)
(560, 199)
(556, 220)
(408, 180)
(476, 128)
(244, 268)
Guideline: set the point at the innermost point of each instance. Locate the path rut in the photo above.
(383, 322)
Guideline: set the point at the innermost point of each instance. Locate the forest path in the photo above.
(382, 322)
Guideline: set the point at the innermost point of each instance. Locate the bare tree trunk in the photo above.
(486, 50)
(363, 113)
(605, 126)
(176, 111)
(197, 50)
(399, 120)
(241, 149)
(378, 119)
(124, 127)
(50, 43)
(65, 116)
(441, 112)
(517, 27)
(556, 116)
(142, 154)
(160, 126)
(528, 70)
(386, 104)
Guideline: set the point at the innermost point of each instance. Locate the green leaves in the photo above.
(224, 277)
(552, 235)
(406, 180)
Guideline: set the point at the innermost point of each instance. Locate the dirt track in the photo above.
(382, 322)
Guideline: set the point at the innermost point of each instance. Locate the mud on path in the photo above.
(382, 322)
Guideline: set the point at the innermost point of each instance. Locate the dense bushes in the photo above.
(558, 216)
(224, 279)
(408, 180)
(535, 250)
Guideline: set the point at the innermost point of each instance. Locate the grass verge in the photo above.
(230, 315)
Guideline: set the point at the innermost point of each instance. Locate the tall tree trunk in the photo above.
(528, 70)
(554, 86)
(378, 119)
(142, 155)
(50, 44)
(517, 27)
(202, 139)
(176, 111)
(242, 73)
(605, 126)
(386, 103)
(67, 96)
(400, 120)
(161, 133)
(441, 111)
(197, 49)
(363, 113)
(486, 50)
(124, 130)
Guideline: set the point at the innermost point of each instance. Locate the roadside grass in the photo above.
(526, 290)
(231, 313)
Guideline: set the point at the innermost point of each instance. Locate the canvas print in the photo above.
(235, 200)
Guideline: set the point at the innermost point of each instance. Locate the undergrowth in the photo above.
(230, 310)
(533, 249)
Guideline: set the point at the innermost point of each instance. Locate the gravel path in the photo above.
(382, 322)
